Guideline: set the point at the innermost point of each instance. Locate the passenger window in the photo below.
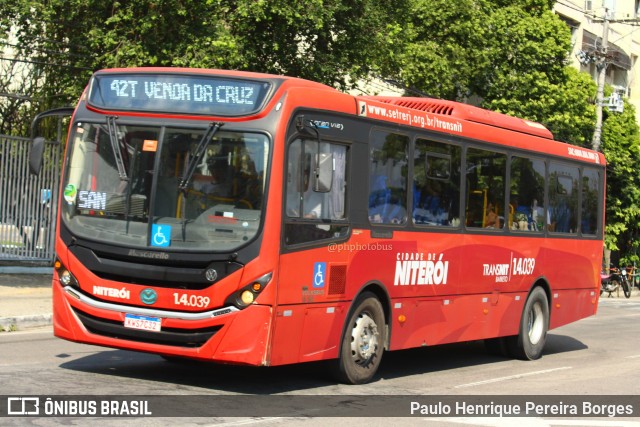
(526, 198)
(485, 175)
(589, 212)
(436, 186)
(388, 178)
(563, 198)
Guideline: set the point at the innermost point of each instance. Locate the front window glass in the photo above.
(128, 184)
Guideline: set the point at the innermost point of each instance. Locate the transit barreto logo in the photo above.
(516, 266)
(417, 268)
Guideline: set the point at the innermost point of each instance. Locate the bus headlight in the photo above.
(246, 297)
(64, 275)
(248, 294)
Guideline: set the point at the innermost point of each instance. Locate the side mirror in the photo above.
(324, 173)
(35, 155)
(37, 146)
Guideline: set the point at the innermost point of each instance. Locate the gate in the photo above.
(28, 203)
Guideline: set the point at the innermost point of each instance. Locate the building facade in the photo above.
(586, 18)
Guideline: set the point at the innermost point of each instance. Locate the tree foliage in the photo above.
(442, 42)
(621, 147)
(565, 108)
(332, 41)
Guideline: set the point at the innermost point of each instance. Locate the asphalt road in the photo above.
(585, 360)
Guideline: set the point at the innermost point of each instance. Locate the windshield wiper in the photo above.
(115, 147)
(197, 155)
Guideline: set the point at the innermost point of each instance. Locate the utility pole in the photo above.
(601, 66)
(602, 61)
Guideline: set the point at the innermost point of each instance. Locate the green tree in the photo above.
(443, 39)
(335, 42)
(621, 147)
(332, 41)
(565, 108)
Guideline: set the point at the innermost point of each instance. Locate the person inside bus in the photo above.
(312, 204)
(491, 219)
(217, 186)
(383, 208)
(519, 212)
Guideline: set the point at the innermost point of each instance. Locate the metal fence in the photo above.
(28, 203)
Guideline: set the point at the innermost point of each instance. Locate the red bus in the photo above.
(263, 220)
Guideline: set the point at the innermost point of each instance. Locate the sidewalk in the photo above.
(25, 301)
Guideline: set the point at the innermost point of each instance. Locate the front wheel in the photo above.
(529, 342)
(626, 289)
(363, 341)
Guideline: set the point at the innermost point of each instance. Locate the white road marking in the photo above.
(512, 377)
(248, 421)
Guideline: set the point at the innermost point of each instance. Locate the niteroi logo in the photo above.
(417, 268)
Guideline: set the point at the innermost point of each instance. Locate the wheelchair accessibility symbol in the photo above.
(160, 235)
(319, 274)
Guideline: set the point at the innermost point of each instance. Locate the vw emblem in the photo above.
(211, 274)
(148, 296)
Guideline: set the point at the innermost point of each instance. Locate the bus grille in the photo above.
(169, 336)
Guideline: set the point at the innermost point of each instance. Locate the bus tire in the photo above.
(363, 341)
(534, 324)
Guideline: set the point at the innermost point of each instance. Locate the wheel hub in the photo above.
(536, 324)
(364, 339)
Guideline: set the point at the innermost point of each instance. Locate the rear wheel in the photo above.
(534, 324)
(363, 341)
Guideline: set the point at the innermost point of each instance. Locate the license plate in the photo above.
(144, 323)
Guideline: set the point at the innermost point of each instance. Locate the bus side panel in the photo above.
(454, 319)
(287, 335)
(246, 337)
(305, 333)
(571, 264)
(312, 290)
(572, 304)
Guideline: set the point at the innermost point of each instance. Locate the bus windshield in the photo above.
(165, 187)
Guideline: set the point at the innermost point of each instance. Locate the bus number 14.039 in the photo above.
(191, 300)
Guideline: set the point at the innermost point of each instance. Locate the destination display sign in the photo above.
(177, 93)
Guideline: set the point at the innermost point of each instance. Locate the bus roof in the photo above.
(467, 112)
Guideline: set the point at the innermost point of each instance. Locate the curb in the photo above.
(20, 323)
